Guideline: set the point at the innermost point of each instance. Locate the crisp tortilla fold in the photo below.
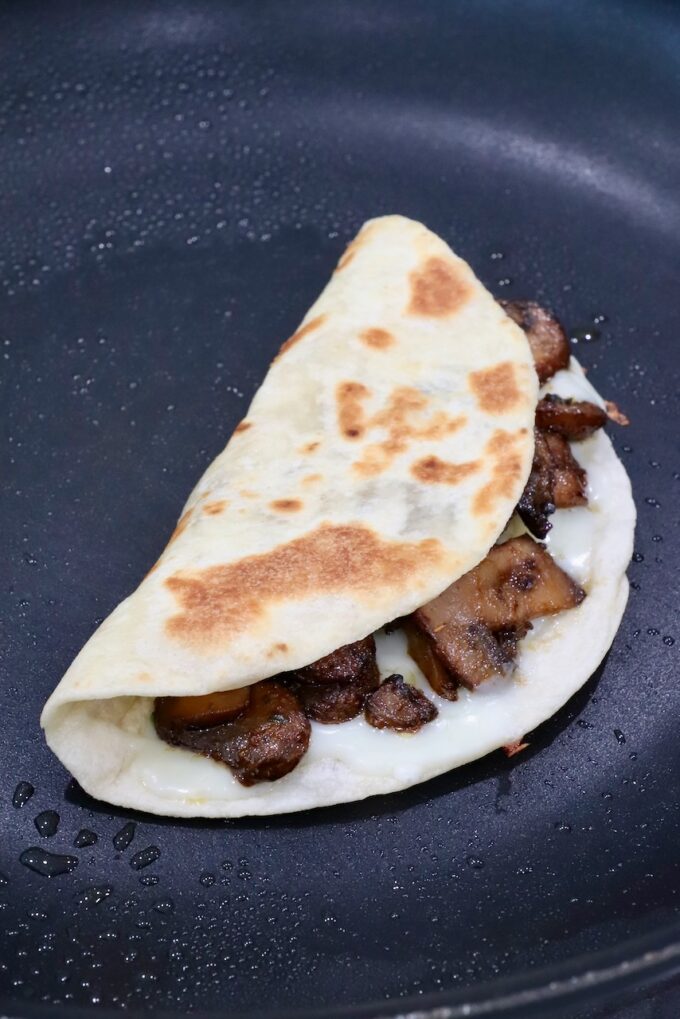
(378, 462)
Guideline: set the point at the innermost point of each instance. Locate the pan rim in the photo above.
(581, 980)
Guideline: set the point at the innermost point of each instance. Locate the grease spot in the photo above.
(122, 839)
(144, 857)
(47, 864)
(22, 794)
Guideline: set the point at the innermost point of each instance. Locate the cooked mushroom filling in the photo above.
(473, 628)
(466, 635)
(398, 705)
(547, 339)
(334, 688)
(262, 742)
(556, 481)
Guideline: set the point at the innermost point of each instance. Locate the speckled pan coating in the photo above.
(543, 133)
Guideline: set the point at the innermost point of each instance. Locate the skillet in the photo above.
(178, 179)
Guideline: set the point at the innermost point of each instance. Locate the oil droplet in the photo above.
(607, 796)
(562, 826)
(638, 557)
(85, 838)
(164, 906)
(620, 738)
(144, 857)
(496, 256)
(475, 862)
(669, 641)
(632, 755)
(207, 880)
(4, 880)
(47, 823)
(123, 838)
(244, 872)
(22, 794)
(94, 895)
(587, 335)
(505, 281)
(149, 880)
(47, 864)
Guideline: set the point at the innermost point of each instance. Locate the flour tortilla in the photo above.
(379, 461)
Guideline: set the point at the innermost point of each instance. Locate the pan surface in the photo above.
(178, 180)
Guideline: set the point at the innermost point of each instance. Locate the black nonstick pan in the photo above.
(177, 180)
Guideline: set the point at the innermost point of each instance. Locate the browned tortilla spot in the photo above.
(502, 442)
(181, 526)
(277, 649)
(243, 426)
(349, 396)
(432, 470)
(353, 247)
(506, 471)
(286, 505)
(378, 339)
(346, 259)
(309, 447)
(349, 253)
(402, 419)
(309, 479)
(496, 388)
(213, 508)
(219, 602)
(437, 290)
(302, 331)
(247, 493)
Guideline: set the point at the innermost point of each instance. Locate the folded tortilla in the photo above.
(379, 461)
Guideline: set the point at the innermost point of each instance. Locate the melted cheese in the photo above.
(353, 759)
